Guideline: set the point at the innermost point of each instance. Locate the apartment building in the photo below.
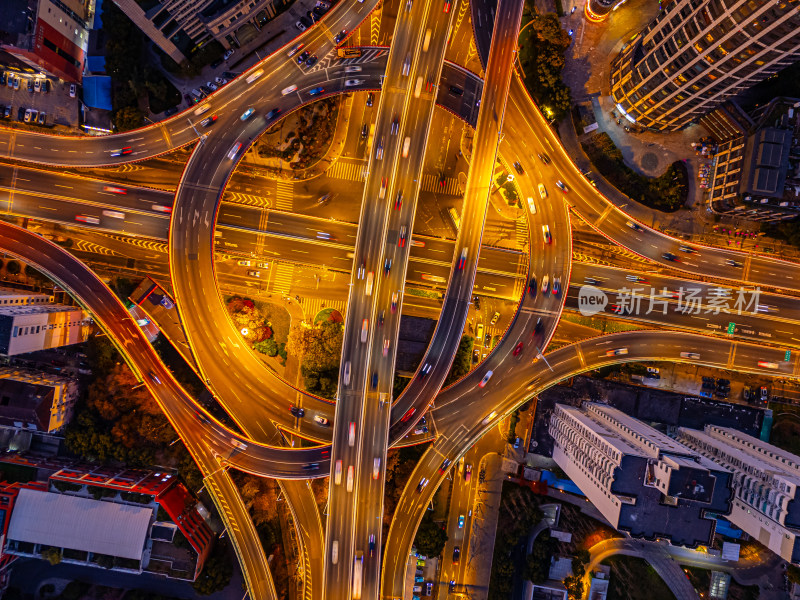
(31, 321)
(641, 480)
(36, 401)
(765, 482)
(698, 53)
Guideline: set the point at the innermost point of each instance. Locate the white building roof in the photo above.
(80, 523)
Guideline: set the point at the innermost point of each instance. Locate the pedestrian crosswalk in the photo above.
(282, 278)
(312, 306)
(522, 232)
(347, 170)
(284, 194)
(431, 183)
(332, 60)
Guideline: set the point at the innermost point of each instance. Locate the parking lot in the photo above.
(18, 93)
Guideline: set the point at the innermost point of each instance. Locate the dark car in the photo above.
(171, 111)
(273, 113)
(340, 36)
(539, 326)
(370, 97)
(532, 287)
(302, 58)
(217, 63)
(372, 544)
(670, 256)
(456, 91)
(451, 586)
(311, 466)
(306, 21)
(487, 339)
(189, 99)
(374, 380)
(297, 411)
(544, 158)
(518, 167)
(456, 555)
(311, 60)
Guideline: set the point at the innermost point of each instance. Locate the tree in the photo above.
(793, 573)
(462, 361)
(548, 30)
(216, 573)
(574, 585)
(268, 347)
(537, 565)
(431, 536)
(127, 118)
(52, 555)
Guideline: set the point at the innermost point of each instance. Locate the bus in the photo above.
(454, 217)
(358, 564)
(348, 52)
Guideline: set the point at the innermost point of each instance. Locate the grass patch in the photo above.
(633, 578)
(604, 325)
(666, 193)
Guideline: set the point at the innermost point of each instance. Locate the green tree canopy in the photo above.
(431, 536)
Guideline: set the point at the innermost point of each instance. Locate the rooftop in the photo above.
(85, 524)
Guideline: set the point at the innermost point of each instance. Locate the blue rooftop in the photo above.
(97, 91)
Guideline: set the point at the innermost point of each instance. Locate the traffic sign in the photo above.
(788, 356)
(731, 327)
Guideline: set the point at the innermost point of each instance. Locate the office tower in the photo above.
(765, 481)
(698, 53)
(641, 480)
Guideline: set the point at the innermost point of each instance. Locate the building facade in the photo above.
(49, 35)
(641, 480)
(698, 53)
(765, 481)
(30, 322)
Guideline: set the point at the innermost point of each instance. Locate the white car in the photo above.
(337, 473)
(72, 90)
(376, 467)
(407, 64)
(364, 330)
(238, 444)
(234, 150)
(531, 205)
(300, 26)
(321, 420)
(228, 54)
(289, 90)
(542, 191)
(352, 82)
(244, 263)
(352, 69)
(350, 478)
(212, 86)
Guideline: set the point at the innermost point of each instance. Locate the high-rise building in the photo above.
(641, 480)
(765, 480)
(31, 321)
(48, 35)
(180, 26)
(698, 53)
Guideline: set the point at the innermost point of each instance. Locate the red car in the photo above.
(447, 4)
(401, 241)
(408, 415)
(518, 349)
(398, 202)
(114, 190)
(462, 260)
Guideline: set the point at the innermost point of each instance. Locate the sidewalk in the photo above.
(484, 528)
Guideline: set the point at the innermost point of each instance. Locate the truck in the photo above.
(358, 565)
(348, 52)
